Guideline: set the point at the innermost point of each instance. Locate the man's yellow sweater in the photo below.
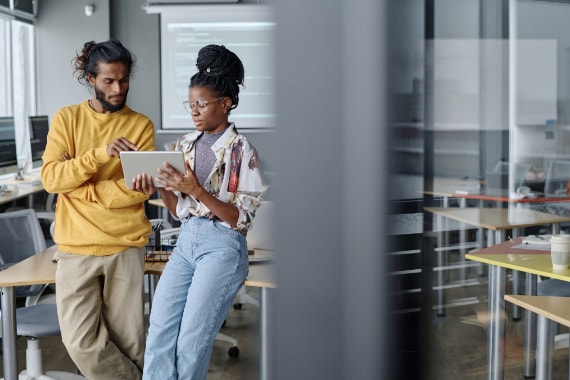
(96, 214)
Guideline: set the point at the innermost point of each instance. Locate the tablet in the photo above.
(148, 162)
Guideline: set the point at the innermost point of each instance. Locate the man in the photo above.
(101, 228)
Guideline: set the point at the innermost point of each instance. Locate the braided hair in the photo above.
(220, 70)
(86, 63)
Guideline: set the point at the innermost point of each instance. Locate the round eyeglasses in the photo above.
(200, 104)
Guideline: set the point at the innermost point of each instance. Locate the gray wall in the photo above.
(63, 28)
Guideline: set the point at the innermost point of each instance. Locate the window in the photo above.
(17, 79)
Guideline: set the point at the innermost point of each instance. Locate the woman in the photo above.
(215, 200)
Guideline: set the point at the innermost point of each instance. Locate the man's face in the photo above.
(111, 85)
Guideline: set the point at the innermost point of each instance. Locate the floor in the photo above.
(242, 324)
(458, 339)
(457, 348)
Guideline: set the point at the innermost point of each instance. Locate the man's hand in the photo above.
(120, 145)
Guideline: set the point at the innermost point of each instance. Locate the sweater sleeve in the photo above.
(73, 176)
(59, 176)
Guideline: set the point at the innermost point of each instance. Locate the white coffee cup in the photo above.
(560, 251)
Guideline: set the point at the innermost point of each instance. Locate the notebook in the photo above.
(148, 162)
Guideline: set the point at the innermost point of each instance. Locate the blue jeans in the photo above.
(192, 298)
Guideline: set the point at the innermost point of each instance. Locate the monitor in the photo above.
(557, 178)
(8, 154)
(39, 128)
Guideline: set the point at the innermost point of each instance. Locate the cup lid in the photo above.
(560, 239)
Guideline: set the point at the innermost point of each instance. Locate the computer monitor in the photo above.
(39, 128)
(8, 154)
(557, 178)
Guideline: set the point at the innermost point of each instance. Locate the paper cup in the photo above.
(560, 251)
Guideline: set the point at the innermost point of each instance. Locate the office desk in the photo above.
(533, 262)
(496, 221)
(549, 310)
(40, 269)
(164, 213)
(21, 189)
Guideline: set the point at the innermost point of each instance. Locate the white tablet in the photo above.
(148, 162)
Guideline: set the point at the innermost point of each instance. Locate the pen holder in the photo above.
(154, 243)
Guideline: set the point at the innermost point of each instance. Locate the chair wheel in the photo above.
(237, 306)
(233, 352)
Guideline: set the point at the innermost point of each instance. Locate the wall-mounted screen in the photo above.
(39, 128)
(247, 30)
(8, 154)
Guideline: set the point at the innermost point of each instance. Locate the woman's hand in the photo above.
(143, 184)
(174, 180)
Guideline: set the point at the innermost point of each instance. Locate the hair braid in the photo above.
(221, 70)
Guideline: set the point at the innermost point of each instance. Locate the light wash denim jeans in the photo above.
(192, 299)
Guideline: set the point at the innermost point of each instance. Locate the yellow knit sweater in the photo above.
(96, 214)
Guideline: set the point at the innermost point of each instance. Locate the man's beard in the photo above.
(100, 96)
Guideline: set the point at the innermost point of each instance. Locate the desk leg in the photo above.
(555, 228)
(10, 353)
(152, 279)
(265, 334)
(530, 330)
(480, 245)
(496, 330)
(516, 310)
(462, 242)
(544, 348)
(441, 243)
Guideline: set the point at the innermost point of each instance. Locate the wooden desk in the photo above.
(157, 202)
(40, 269)
(549, 311)
(533, 262)
(164, 213)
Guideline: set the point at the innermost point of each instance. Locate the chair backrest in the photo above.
(557, 177)
(21, 236)
(260, 234)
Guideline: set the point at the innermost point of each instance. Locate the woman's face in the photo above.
(209, 112)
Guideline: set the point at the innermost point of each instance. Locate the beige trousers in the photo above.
(100, 310)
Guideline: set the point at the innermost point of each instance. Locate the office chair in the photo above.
(22, 237)
(557, 177)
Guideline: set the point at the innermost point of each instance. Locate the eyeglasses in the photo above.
(202, 104)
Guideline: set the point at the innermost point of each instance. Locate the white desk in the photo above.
(21, 189)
